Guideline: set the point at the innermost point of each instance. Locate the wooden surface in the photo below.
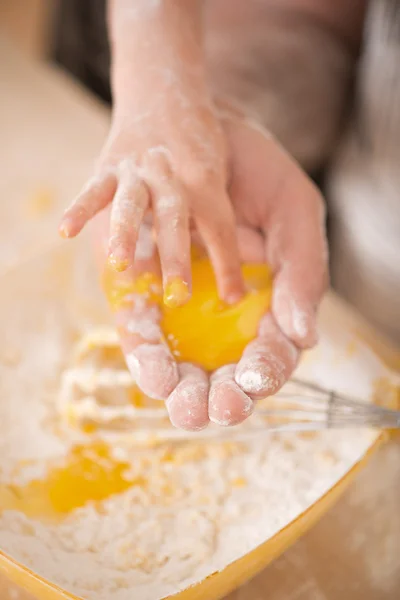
(29, 24)
(51, 131)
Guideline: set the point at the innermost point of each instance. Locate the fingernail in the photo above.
(117, 260)
(234, 298)
(63, 230)
(176, 293)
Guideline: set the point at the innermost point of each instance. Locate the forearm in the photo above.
(155, 45)
(289, 63)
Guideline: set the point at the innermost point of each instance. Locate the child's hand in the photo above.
(170, 160)
(279, 219)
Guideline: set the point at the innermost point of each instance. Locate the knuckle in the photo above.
(217, 218)
(170, 204)
(197, 175)
(157, 161)
(215, 228)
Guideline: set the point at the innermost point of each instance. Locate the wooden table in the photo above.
(51, 131)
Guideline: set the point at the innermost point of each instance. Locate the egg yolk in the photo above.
(204, 331)
(90, 474)
(209, 332)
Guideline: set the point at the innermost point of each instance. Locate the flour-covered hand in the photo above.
(279, 220)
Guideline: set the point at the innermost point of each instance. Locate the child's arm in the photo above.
(166, 151)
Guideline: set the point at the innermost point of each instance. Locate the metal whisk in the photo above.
(107, 400)
(307, 406)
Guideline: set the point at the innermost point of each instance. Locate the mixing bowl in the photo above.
(46, 304)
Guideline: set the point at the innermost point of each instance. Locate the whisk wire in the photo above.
(101, 397)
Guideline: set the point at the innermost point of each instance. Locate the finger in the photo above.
(138, 319)
(289, 208)
(267, 362)
(146, 258)
(137, 316)
(148, 359)
(251, 245)
(94, 197)
(297, 251)
(128, 209)
(250, 241)
(294, 306)
(228, 404)
(171, 221)
(188, 404)
(217, 227)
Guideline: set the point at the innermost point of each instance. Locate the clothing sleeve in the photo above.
(290, 71)
(81, 45)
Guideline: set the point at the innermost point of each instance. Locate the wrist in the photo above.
(156, 48)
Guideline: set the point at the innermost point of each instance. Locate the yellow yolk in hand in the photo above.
(208, 332)
(204, 331)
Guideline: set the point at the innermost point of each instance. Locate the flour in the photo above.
(145, 246)
(256, 376)
(195, 507)
(146, 328)
(191, 519)
(202, 507)
(160, 369)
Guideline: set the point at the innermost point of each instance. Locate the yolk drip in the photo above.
(204, 331)
(91, 474)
